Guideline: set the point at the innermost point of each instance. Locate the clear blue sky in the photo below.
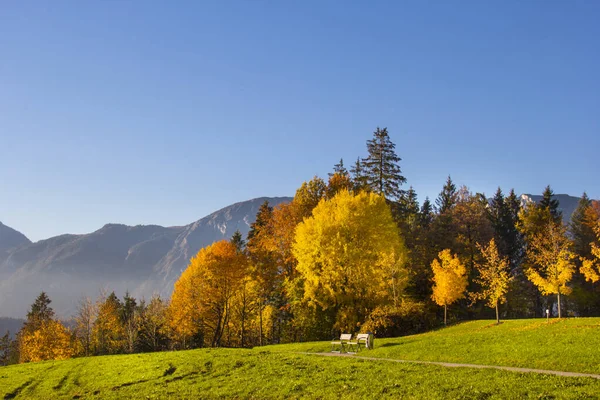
(164, 111)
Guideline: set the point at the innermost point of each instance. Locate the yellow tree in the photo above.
(51, 341)
(493, 277)
(349, 256)
(552, 261)
(591, 268)
(449, 280)
(202, 297)
(42, 337)
(108, 332)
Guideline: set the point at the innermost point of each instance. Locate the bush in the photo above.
(408, 318)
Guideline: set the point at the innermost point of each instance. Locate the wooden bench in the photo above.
(345, 338)
(362, 339)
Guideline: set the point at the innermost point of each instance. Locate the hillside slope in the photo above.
(277, 372)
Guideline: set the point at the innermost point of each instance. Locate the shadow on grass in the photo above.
(18, 390)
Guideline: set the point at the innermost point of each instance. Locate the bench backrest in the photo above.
(362, 336)
(346, 336)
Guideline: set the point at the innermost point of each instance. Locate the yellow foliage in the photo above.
(591, 268)
(108, 332)
(552, 260)
(449, 278)
(493, 276)
(51, 341)
(203, 294)
(350, 255)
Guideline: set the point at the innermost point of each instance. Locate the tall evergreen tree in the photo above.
(40, 312)
(581, 233)
(381, 167)
(339, 169)
(548, 201)
(426, 213)
(447, 198)
(359, 180)
(263, 216)
(238, 241)
(5, 346)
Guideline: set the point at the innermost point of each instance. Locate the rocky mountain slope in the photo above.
(567, 204)
(143, 259)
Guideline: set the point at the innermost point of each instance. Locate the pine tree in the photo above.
(381, 167)
(548, 201)
(426, 213)
(447, 198)
(5, 345)
(263, 216)
(238, 241)
(39, 313)
(581, 233)
(339, 169)
(359, 179)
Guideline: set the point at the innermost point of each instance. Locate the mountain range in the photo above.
(142, 259)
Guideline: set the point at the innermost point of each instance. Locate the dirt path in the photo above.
(459, 365)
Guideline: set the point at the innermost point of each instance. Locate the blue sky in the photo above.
(161, 112)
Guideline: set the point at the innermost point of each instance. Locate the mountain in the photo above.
(10, 325)
(567, 204)
(9, 240)
(143, 259)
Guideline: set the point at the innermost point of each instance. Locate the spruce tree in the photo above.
(40, 313)
(339, 169)
(359, 180)
(5, 345)
(548, 201)
(238, 241)
(426, 214)
(381, 167)
(581, 233)
(513, 239)
(263, 216)
(447, 198)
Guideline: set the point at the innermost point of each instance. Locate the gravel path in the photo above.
(459, 365)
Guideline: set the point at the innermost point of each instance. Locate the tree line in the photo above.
(353, 252)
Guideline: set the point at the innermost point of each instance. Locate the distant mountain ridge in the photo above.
(142, 259)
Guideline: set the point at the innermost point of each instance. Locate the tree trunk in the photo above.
(260, 332)
(445, 313)
(497, 315)
(559, 315)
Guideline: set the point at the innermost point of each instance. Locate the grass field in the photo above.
(278, 372)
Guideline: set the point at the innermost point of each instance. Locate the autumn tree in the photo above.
(42, 337)
(84, 324)
(108, 331)
(494, 277)
(263, 269)
(129, 320)
(350, 257)
(202, 297)
(381, 168)
(152, 324)
(449, 280)
(51, 341)
(552, 261)
(591, 266)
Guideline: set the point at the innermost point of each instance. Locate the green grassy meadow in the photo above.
(280, 372)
